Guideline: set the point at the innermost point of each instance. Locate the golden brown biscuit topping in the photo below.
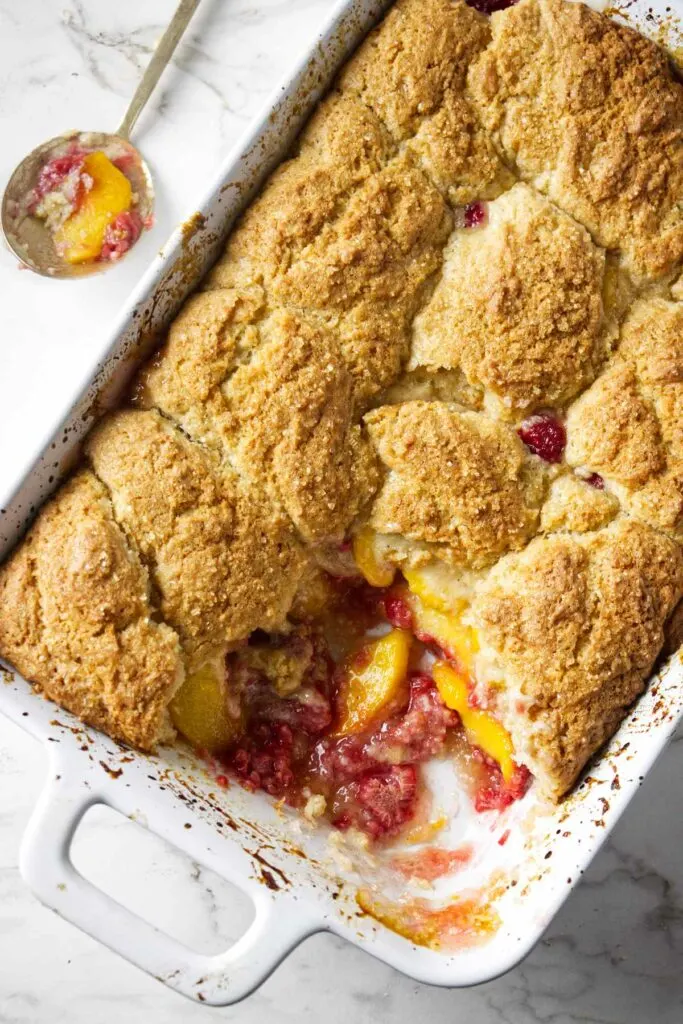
(455, 480)
(575, 624)
(628, 426)
(588, 111)
(519, 306)
(76, 616)
(222, 560)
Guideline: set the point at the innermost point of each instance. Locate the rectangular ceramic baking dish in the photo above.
(297, 886)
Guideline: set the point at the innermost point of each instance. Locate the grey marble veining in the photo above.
(614, 955)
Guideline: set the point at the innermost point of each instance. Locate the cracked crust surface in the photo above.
(411, 72)
(343, 146)
(575, 624)
(455, 480)
(223, 561)
(628, 426)
(348, 231)
(76, 618)
(589, 112)
(519, 306)
(289, 423)
(213, 332)
(576, 506)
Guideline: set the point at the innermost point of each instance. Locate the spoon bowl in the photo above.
(28, 237)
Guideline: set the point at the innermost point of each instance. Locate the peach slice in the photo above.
(200, 710)
(431, 586)
(375, 571)
(482, 729)
(371, 680)
(455, 639)
(81, 236)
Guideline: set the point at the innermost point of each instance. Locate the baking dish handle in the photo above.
(280, 922)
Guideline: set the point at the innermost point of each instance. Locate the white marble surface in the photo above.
(615, 953)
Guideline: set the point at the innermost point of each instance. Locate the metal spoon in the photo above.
(27, 236)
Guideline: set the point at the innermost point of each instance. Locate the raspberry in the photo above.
(496, 794)
(264, 761)
(380, 803)
(53, 173)
(475, 215)
(397, 612)
(420, 732)
(490, 6)
(545, 436)
(338, 761)
(595, 480)
(121, 235)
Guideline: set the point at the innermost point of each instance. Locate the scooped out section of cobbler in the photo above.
(338, 716)
(87, 200)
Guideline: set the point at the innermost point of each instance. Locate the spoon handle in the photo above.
(160, 58)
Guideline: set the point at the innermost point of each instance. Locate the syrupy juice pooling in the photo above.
(349, 742)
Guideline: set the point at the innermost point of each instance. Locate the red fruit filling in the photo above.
(397, 612)
(545, 436)
(371, 780)
(121, 235)
(494, 794)
(420, 732)
(264, 760)
(595, 480)
(54, 173)
(490, 6)
(475, 215)
(379, 802)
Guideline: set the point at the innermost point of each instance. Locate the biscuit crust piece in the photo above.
(223, 561)
(454, 480)
(411, 72)
(211, 335)
(589, 112)
(519, 306)
(282, 415)
(76, 618)
(628, 426)
(349, 231)
(574, 624)
(289, 425)
(575, 505)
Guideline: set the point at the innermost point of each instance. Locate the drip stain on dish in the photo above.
(343, 745)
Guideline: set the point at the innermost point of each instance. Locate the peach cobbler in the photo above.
(405, 480)
(87, 201)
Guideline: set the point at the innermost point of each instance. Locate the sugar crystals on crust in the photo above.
(411, 71)
(289, 425)
(588, 111)
(212, 334)
(628, 426)
(223, 561)
(455, 480)
(76, 618)
(519, 306)
(574, 624)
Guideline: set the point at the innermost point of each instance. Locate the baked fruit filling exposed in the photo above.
(87, 200)
(405, 479)
(337, 716)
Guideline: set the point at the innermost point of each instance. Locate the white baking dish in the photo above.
(297, 887)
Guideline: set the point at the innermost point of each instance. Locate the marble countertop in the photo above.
(614, 954)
